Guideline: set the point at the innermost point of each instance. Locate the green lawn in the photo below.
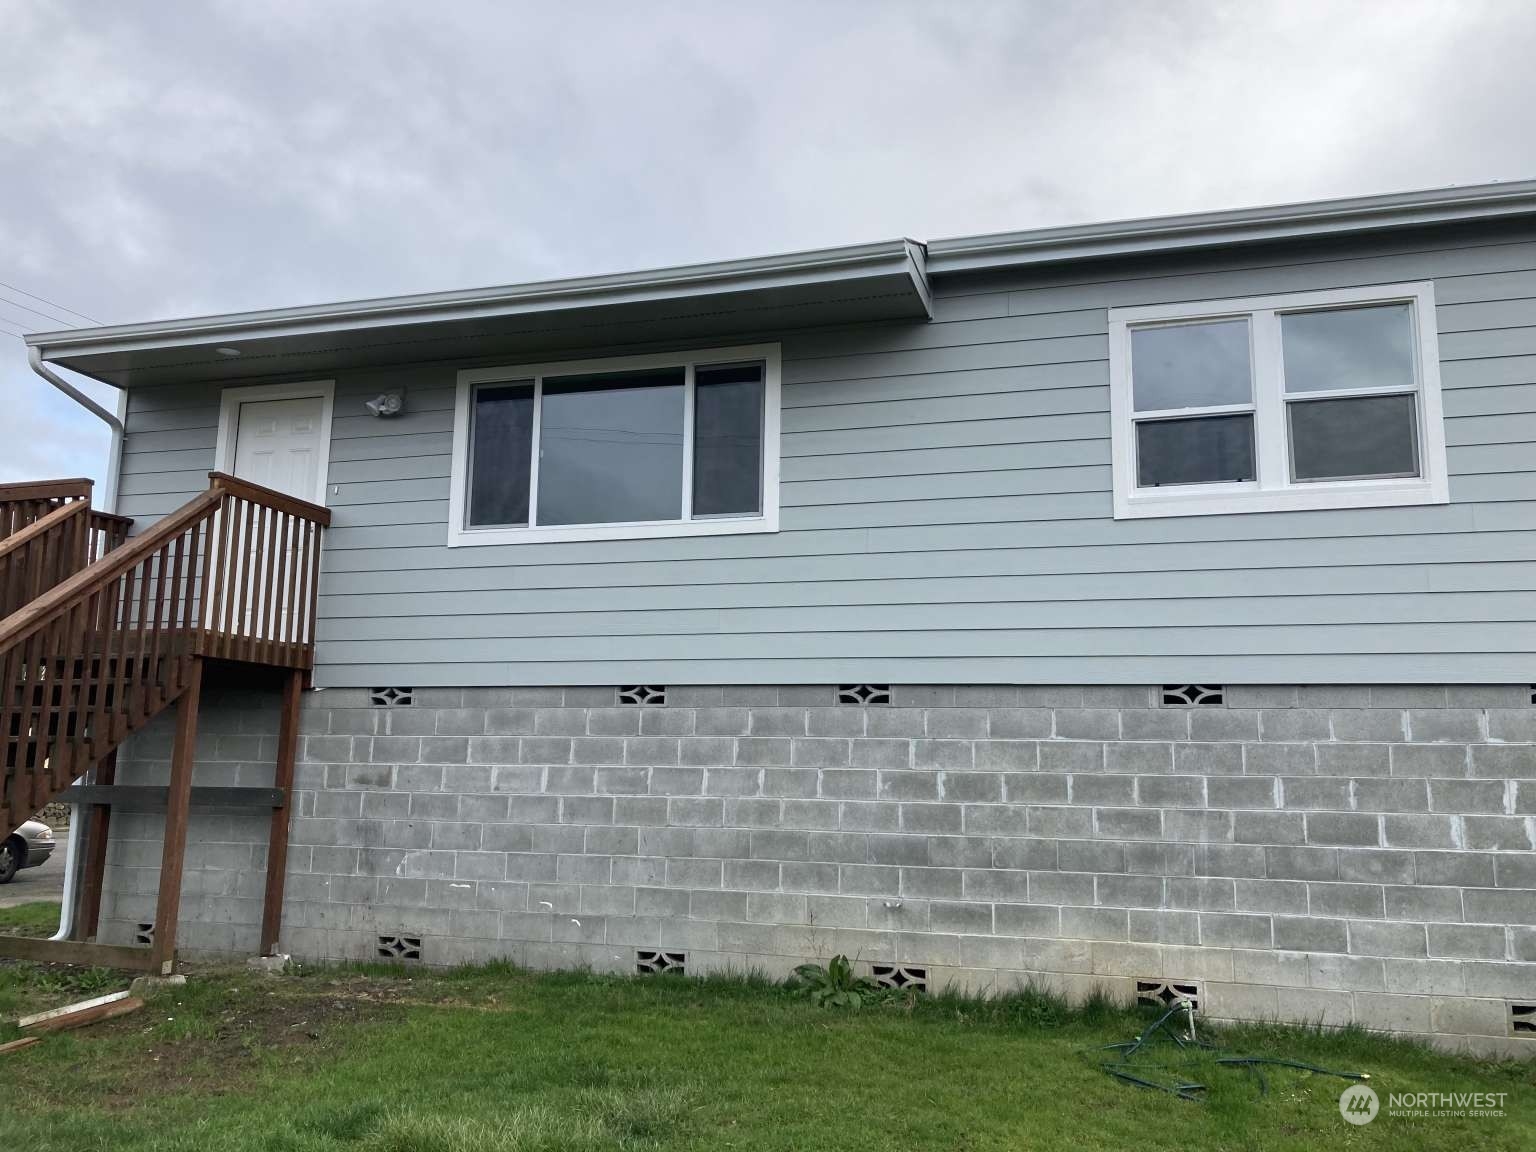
(39, 918)
(490, 1060)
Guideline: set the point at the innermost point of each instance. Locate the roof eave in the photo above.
(904, 257)
(1212, 229)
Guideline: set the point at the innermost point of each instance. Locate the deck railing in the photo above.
(23, 504)
(53, 548)
(233, 574)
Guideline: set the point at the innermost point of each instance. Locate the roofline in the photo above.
(1244, 225)
(939, 257)
(681, 282)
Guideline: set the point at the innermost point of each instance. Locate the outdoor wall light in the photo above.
(387, 404)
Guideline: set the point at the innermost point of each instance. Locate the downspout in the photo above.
(109, 500)
(114, 421)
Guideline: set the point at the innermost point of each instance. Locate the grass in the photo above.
(499, 1060)
(38, 918)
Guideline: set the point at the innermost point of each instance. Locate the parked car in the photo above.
(27, 847)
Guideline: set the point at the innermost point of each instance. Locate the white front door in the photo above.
(278, 444)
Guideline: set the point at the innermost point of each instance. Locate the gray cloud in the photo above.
(176, 158)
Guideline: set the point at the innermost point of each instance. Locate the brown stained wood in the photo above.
(268, 587)
(22, 622)
(177, 808)
(271, 498)
(42, 555)
(120, 598)
(75, 952)
(277, 837)
(155, 689)
(94, 871)
(276, 589)
(226, 566)
(18, 1045)
(243, 619)
(101, 649)
(88, 1016)
(73, 488)
(69, 1009)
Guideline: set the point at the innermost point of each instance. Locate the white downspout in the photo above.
(109, 502)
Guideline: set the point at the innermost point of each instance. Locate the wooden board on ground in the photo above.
(89, 1016)
(28, 1021)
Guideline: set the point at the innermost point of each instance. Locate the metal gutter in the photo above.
(801, 268)
(1246, 225)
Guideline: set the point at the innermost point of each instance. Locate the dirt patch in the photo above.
(223, 1042)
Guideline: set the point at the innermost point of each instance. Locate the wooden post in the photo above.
(277, 838)
(94, 869)
(178, 805)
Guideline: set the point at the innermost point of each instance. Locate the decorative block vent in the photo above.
(391, 697)
(400, 947)
(144, 933)
(650, 962)
(1193, 694)
(1167, 993)
(642, 694)
(863, 693)
(1522, 1019)
(901, 976)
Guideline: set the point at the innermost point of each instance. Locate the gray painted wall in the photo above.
(947, 515)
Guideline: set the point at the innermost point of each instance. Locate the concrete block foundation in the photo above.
(1359, 854)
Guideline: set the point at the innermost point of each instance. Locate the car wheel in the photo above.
(10, 859)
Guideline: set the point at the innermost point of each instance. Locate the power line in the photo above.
(48, 316)
(19, 321)
(45, 300)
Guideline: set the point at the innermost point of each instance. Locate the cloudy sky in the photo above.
(171, 158)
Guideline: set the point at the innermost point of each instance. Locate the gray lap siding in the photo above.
(947, 515)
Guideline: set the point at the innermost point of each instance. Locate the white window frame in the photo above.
(460, 534)
(1274, 491)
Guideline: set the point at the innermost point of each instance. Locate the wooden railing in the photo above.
(50, 550)
(23, 504)
(262, 574)
(232, 574)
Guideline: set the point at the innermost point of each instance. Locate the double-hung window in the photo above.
(642, 446)
(1310, 400)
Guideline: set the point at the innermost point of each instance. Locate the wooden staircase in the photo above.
(100, 634)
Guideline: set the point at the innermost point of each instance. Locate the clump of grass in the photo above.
(37, 918)
(529, 1128)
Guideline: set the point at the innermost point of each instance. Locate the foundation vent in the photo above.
(144, 933)
(1193, 695)
(1167, 993)
(1533, 693)
(1522, 1019)
(391, 697)
(642, 694)
(900, 976)
(863, 693)
(647, 962)
(400, 947)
